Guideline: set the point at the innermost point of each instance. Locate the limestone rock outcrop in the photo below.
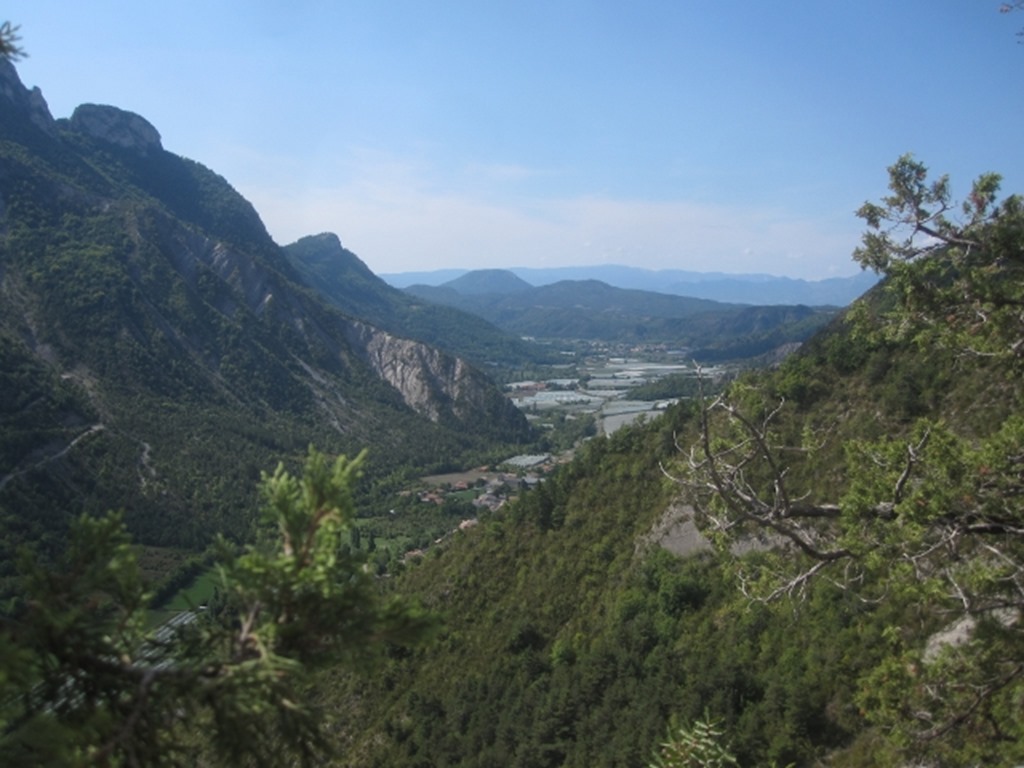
(116, 126)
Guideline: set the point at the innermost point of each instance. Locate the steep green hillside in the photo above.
(571, 638)
(159, 350)
(863, 606)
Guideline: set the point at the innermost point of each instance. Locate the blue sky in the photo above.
(705, 135)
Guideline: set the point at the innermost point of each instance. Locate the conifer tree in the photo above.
(9, 42)
(84, 681)
(931, 516)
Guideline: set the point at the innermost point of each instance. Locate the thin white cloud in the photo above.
(397, 219)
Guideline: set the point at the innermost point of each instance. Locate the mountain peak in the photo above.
(29, 102)
(327, 238)
(327, 244)
(326, 249)
(481, 281)
(116, 126)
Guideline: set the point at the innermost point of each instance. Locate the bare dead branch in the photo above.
(913, 452)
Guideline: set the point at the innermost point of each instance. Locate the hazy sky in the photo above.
(692, 134)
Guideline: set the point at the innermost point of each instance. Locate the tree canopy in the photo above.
(84, 679)
(929, 514)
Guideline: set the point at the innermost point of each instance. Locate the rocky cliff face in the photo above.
(430, 382)
(116, 126)
(110, 124)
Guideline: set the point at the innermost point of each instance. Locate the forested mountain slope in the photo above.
(864, 605)
(159, 351)
(591, 309)
(341, 277)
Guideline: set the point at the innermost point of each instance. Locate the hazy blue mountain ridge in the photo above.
(594, 310)
(758, 289)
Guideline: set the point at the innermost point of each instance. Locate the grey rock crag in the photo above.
(116, 126)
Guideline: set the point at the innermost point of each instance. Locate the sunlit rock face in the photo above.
(116, 126)
(429, 381)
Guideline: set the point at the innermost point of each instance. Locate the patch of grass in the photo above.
(195, 594)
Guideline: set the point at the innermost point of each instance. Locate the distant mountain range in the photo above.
(593, 310)
(756, 289)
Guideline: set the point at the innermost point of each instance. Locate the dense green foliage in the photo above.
(570, 638)
(753, 333)
(563, 431)
(83, 682)
(928, 510)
